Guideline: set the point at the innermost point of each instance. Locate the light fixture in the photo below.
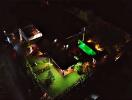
(97, 47)
(55, 40)
(75, 57)
(67, 46)
(90, 41)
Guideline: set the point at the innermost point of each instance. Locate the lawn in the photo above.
(60, 83)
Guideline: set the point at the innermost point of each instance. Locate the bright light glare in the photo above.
(90, 41)
(97, 47)
(55, 40)
(38, 35)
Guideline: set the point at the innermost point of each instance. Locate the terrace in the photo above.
(50, 77)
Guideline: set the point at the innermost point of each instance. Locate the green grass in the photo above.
(60, 83)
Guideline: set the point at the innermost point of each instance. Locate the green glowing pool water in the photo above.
(85, 48)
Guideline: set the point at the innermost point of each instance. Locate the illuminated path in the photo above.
(60, 83)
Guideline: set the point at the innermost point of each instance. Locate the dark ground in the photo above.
(112, 81)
